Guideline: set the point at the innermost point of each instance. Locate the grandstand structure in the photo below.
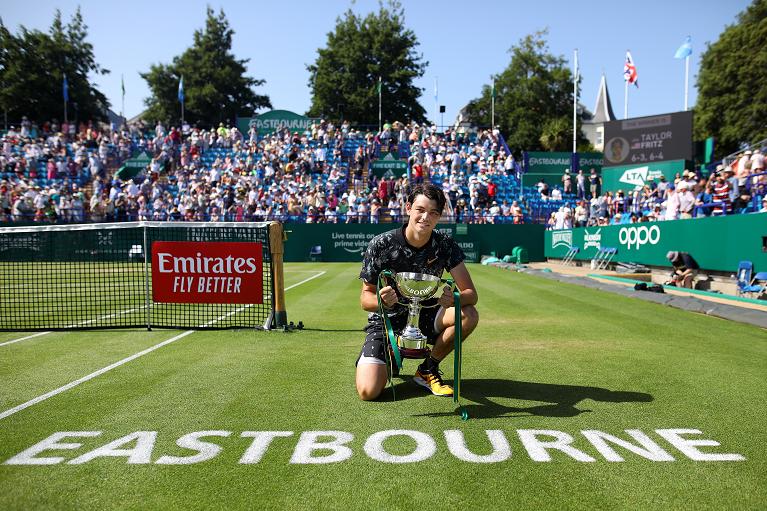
(225, 175)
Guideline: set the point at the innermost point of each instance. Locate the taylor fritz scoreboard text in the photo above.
(216, 272)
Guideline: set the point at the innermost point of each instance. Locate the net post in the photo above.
(278, 280)
(146, 282)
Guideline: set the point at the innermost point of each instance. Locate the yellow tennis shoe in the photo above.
(433, 382)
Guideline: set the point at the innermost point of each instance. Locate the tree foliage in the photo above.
(732, 96)
(215, 85)
(32, 69)
(344, 78)
(533, 99)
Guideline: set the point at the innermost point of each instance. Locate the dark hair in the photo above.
(431, 192)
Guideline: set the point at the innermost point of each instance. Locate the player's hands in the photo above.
(388, 296)
(446, 300)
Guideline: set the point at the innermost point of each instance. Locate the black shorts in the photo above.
(376, 341)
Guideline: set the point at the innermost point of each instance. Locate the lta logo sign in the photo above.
(638, 236)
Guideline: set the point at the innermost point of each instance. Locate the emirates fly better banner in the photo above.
(194, 272)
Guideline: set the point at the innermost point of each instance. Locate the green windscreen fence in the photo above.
(136, 274)
(716, 243)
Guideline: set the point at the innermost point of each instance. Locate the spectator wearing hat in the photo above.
(764, 205)
(684, 269)
(686, 200)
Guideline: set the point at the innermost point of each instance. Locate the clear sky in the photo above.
(464, 42)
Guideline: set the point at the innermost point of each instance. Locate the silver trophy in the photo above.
(416, 287)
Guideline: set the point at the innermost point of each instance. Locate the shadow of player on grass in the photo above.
(479, 397)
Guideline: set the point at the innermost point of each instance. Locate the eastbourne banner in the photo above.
(220, 272)
(273, 120)
(649, 139)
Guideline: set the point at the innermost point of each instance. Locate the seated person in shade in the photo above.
(684, 269)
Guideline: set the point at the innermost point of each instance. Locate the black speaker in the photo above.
(442, 109)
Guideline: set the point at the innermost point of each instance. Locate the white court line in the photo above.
(214, 321)
(74, 325)
(103, 370)
(38, 334)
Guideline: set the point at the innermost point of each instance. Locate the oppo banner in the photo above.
(717, 243)
(195, 272)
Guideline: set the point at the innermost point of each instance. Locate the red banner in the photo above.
(195, 272)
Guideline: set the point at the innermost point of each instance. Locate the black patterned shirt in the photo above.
(391, 251)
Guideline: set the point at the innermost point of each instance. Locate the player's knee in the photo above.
(470, 316)
(368, 392)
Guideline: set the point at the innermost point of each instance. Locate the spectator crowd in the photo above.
(68, 172)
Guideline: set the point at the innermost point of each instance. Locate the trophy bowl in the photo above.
(416, 287)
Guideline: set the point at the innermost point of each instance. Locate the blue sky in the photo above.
(464, 42)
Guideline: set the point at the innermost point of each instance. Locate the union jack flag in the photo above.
(630, 70)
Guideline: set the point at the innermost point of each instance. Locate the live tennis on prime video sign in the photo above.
(195, 272)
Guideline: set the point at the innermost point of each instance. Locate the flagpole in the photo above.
(380, 111)
(436, 99)
(66, 96)
(575, 100)
(626, 99)
(492, 107)
(122, 107)
(686, 80)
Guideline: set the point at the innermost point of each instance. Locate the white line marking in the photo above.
(6, 343)
(103, 370)
(320, 274)
(214, 321)
(87, 321)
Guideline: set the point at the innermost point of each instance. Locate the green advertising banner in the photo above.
(551, 165)
(133, 166)
(716, 243)
(630, 177)
(388, 165)
(347, 242)
(271, 121)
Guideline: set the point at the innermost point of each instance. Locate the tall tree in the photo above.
(344, 78)
(32, 69)
(215, 85)
(732, 97)
(534, 92)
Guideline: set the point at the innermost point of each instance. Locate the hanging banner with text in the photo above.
(221, 272)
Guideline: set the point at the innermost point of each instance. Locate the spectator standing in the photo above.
(567, 182)
(580, 185)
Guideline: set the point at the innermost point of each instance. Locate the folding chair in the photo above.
(745, 282)
(315, 254)
(570, 256)
(609, 253)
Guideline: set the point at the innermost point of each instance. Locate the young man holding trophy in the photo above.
(416, 255)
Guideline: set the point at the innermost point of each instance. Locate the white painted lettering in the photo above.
(538, 449)
(689, 447)
(424, 449)
(141, 453)
(261, 442)
(456, 444)
(29, 456)
(309, 442)
(205, 450)
(646, 448)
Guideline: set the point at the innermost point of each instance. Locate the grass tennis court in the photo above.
(546, 357)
